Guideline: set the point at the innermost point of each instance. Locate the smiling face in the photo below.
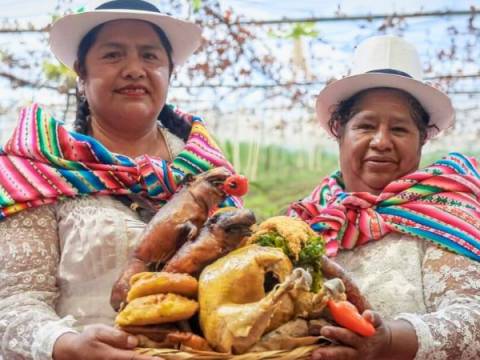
(380, 142)
(126, 74)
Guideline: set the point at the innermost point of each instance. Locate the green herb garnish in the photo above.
(274, 239)
(309, 257)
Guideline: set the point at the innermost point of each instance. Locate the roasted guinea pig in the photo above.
(222, 233)
(235, 310)
(175, 223)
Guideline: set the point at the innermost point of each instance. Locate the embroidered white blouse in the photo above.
(58, 263)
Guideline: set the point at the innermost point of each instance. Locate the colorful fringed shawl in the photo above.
(43, 162)
(440, 203)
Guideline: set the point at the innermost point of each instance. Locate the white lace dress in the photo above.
(437, 291)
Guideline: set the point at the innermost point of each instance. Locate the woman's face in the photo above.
(380, 143)
(126, 74)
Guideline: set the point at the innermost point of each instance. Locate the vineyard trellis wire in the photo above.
(268, 68)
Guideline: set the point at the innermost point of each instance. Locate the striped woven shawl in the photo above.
(440, 203)
(44, 162)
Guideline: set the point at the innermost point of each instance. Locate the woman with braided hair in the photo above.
(410, 237)
(64, 236)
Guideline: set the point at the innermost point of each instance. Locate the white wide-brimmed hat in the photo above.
(387, 61)
(67, 32)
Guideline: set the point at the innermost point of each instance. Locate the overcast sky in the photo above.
(262, 9)
(280, 8)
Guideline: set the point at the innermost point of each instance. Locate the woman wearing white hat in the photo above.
(409, 236)
(62, 246)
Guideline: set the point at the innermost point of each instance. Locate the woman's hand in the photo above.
(392, 340)
(98, 342)
(330, 270)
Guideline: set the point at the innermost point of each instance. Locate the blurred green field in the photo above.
(271, 193)
(279, 176)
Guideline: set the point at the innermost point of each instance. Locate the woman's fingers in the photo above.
(342, 336)
(335, 353)
(331, 269)
(111, 336)
(98, 342)
(373, 317)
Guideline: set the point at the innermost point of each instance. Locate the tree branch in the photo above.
(472, 11)
(309, 83)
(23, 82)
(22, 31)
(37, 85)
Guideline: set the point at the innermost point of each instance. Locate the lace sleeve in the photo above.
(451, 327)
(29, 256)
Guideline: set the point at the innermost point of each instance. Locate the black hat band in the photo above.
(391, 71)
(128, 5)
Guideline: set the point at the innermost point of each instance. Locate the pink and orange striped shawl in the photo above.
(44, 162)
(440, 203)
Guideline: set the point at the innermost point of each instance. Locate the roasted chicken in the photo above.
(235, 310)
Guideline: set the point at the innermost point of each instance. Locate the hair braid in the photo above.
(82, 117)
(174, 123)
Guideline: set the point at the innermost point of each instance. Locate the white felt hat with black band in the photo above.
(387, 61)
(67, 32)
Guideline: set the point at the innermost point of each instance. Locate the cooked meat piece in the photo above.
(221, 234)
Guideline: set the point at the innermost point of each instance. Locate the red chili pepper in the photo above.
(236, 185)
(346, 314)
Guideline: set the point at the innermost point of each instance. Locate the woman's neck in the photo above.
(132, 143)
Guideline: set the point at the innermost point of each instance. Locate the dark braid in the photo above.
(81, 123)
(173, 122)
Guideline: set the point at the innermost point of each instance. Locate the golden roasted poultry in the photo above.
(240, 311)
(235, 310)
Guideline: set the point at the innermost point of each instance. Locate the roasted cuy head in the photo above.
(222, 233)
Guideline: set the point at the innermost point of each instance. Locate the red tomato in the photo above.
(236, 185)
(346, 314)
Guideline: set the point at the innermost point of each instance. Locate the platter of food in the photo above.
(208, 283)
